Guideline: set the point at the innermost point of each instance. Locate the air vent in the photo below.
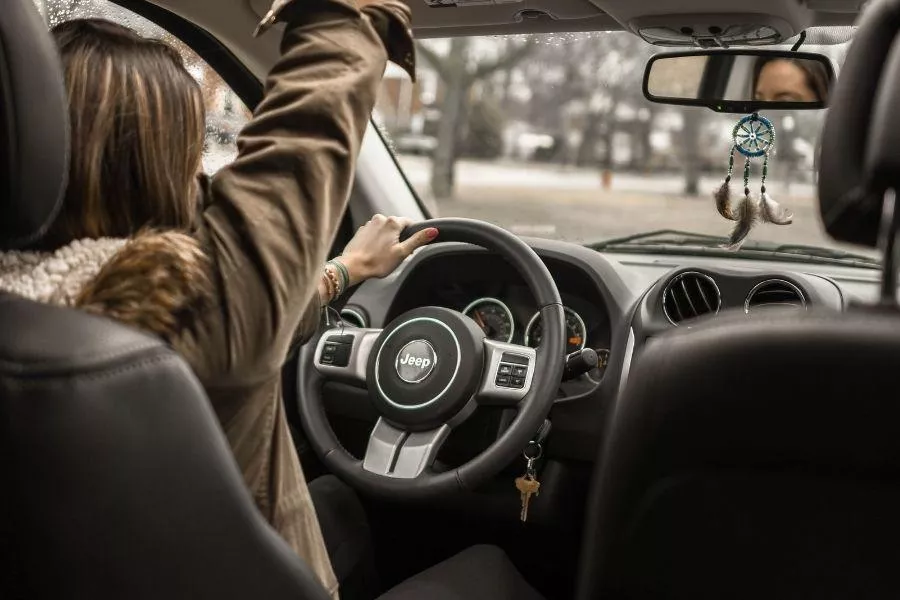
(774, 293)
(690, 295)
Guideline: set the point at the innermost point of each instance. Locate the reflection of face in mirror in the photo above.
(789, 80)
(746, 79)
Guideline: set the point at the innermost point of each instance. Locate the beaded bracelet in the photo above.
(343, 271)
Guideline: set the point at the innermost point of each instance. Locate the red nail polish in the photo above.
(432, 233)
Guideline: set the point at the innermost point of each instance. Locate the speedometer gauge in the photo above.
(576, 332)
(494, 318)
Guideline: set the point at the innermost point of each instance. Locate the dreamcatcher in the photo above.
(752, 137)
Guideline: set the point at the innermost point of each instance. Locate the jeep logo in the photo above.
(409, 359)
(416, 361)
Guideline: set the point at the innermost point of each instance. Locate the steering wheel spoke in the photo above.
(508, 374)
(401, 454)
(343, 352)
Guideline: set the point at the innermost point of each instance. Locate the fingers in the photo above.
(380, 224)
(418, 239)
(400, 222)
(396, 224)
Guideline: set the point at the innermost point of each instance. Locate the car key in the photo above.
(528, 485)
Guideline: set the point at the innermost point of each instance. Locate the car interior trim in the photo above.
(233, 72)
(785, 282)
(361, 348)
(355, 315)
(402, 454)
(626, 360)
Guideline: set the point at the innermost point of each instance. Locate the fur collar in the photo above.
(156, 281)
(58, 277)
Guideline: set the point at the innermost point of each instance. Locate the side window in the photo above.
(225, 113)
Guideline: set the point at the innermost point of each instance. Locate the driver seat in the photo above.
(118, 482)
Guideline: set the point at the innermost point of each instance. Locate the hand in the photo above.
(376, 249)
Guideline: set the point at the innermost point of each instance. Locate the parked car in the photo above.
(415, 144)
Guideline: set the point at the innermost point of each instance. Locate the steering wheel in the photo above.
(426, 373)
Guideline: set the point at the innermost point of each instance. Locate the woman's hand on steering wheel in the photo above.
(376, 249)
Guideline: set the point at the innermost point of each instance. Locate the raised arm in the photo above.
(272, 214)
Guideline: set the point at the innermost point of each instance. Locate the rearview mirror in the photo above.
(740, 81)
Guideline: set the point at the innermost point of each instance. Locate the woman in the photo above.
(227, 268)
(790, 80)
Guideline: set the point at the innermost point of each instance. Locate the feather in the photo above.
(772, 212)
(747, 216)
(723, 200)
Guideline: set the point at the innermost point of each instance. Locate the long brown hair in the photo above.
(137, 120)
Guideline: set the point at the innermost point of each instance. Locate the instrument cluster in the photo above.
(498, 323)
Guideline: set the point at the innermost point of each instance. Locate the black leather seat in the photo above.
(477, 573)
(116, 479)
(753, 460)
(117, 482)
(760, 457)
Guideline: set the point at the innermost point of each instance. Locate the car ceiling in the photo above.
(232, 21)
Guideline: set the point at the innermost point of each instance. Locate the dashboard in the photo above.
(614, 304)
(486, 289)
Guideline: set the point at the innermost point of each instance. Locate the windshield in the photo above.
(550, 136)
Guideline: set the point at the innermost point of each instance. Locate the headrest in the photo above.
(34, 135)
(861, 140)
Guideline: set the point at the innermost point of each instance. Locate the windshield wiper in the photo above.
(671, 241)
(824, 252)
(672, 237)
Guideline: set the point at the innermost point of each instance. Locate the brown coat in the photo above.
(234, 308)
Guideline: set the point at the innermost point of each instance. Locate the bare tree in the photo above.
(578, 85)
(459, 71)
(613, 67)
(690, 141)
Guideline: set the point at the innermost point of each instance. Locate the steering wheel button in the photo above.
(335, 354)
(505, 370)
(503, 380)
(520, 372)
(515, 359)
(517, 382)
(342, 355)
